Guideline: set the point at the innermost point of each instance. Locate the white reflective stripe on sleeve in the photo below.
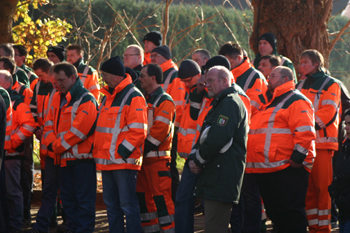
(21, 135)
(9, 123)
(148, 216)
(138, 126)
(329, 102)
(320, 122)
(117, 161)
(195, 105)
(199, 158)
(94, 87)
(78, 133)
(270, 130)
(7, 138)
(324, 212)
(305, 128)
(162, 119)
(267, 164)
(153, 140)
(301, 149)
(324, 222)
(193, 151)
(28, 127)
(178, 102)
(313, 222)
(326, 139)
(151, 228)
(65, 144)
(166, 219)
(47, 133)
(255, 104)
(32, 106)
(128, 145)
(248, 80)
(153, 154)
(311, 211)
(40, 114)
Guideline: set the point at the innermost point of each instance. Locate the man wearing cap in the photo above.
(267, 44)
(172, 85)
(87, 74)
(248, 78)
(219, 154)
(151, 41)
(69, 132)
(56, 53)
(120, 133)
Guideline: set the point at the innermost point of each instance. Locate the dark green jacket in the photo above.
(222, 173)
(21, 77)
(30, 73)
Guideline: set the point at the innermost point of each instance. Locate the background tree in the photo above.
(7, 10)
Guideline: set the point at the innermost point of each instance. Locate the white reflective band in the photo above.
(34, 114)
(61, 134)
(324, 212)
(313, 222)
(68, 155)
(153, 140)
(199, 158)
(301, 149)
(255, 104)
(171, 230)
(270, 130)
(78, 133)
(199, 127)
(193, 151)
(9, 123)
(185, 132)
(318, 94)
(138, 126)
(47, 133)
(153, 154)
(117, 161)
(329, 102)
(195, 105)
(94, 87)
(7, 138)
(326, 139)
(311, 211)
(151, 228)
(183, 155)
(178, 102)
(32, 106)
(320, 122)
(267, 164)
(48, 123)
(43, 147)
(65, 144)
(21, 135)
(305, 128)
(324, 222)
(167, 80)
(28, 127)
(13, 154)
(104, 129)
(162, 119)
(166, 219)
(248, 80)
(128, 145)
(148, 216)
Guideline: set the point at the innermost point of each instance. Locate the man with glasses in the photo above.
(133, 58)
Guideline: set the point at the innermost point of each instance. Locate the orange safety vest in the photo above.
(282, 129)
(22, 89)
(121, 128)
(147, 58)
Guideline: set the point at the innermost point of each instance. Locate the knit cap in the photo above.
(188, 68)
(154, 37)
(58, 50)
(269, 37)
(114, 66)
(217, 61)
(163, 50)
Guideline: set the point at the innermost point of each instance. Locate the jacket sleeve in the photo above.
(28, 95)
(301, 124)
(34, 108)
(328, 107)
(259, 87)
(83, 124)
(26, 125)
(177, 91)
(49, 134)
(195, 102)
(8, 144)
(93, 85)
(136, 120)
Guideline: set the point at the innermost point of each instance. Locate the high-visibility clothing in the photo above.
(324, 93)
(282, 129)
(251, 81)
(89, 78)
(121, 128)
(173, 85)
(21, 76)
(23, 124)
(33, 78)
(70, 124)
(5, 95)
(154, 179)
(318, 201)
(147, 58)
(22, 89)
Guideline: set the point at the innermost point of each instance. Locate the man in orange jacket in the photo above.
(120, 133)
(281, 151)
(23, 126)
(324, 93)
(154, 179)
(151, 41)
(69, 132)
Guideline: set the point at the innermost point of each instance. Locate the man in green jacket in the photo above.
(220, 152)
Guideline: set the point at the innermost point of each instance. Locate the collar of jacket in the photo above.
(243, 67)
(282, 89)
(14, 95)
(79, 63)
(319, 74)
(47, 86)
(167, 65)
(224, 94)
(138, 68)
(15, 79)
(126, 81)
(151, 98)
(74, 93)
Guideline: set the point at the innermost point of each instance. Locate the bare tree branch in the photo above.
(339, 35)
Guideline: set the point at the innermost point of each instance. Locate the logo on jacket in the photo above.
(222, 120)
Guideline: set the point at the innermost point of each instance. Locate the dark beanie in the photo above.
(154, 37)
(132, 73)
(59, 50)
(114, 66)
(188, 68)
(269, 37)
(217, 61)
(163, 50)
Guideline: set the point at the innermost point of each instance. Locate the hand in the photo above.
(201, 84)
(38, 134)
(294, 164)
(193, 167)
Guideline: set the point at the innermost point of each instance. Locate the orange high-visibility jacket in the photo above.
(324, 93)
(23, 124)
(173, 85)
(161, 115)
(69, 129)
(251, 81)
(147, 58)
(22, 89)
(40, 93)
(282, 129)
(5, 95)
(121, 128)
(89, 78)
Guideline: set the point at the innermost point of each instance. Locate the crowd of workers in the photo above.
(253, 138)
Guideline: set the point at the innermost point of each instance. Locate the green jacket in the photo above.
(30, 73)
(21, 77)
(222, 172)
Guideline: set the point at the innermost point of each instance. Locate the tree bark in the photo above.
(297, 25)
(7, 10)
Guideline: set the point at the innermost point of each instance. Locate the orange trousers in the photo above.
(154, 191)
(318, 201)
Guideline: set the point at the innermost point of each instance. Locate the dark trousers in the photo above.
(175, 179)
(4, 214)
(27, 176)
(283, 193)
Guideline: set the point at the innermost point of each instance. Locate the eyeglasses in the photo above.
(187, 80)
(129, 55)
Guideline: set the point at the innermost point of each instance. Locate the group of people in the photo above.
(253, 138)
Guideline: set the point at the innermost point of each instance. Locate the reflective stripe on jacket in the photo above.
(89, 78)
(22, 89)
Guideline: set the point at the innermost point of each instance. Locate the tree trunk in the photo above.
(297, 25)
(7, 10)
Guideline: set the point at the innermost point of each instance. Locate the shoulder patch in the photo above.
(222, 120)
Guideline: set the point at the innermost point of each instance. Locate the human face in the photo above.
(18, 58)
(43, 76)
(132, 58)
(347, 125)
(214, 84)
(146, 81)
(64, 83)
(73, 56)
(157, 58)
(234, 62)
(149, 46)
(53, 57)
(111, 80)
(265, 67)
(191, 81)
(3, 82)
(265, 48)
(275, 80)
(197, 57)
(54, 82)
(307, 67)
